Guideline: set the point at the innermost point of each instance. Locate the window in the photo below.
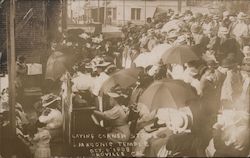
(135, 13)
(193, 2)
(114, 13)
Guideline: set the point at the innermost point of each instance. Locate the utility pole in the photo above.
(12, 72)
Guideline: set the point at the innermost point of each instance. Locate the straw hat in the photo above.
(228, 63)
(180, 120)
(188, 12)
(245, 68)
(223, 30)
(49, 99)
(215, 17)
(117, 91)
(226, 13)
(196, 28)
(173, 34)
(246, 51)
(111, 68)
(212, 64)
(241, 16)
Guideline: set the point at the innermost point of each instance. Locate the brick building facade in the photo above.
(36, 24)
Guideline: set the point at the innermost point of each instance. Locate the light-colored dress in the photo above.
(42, 146)
(53, 120)
(118, 119)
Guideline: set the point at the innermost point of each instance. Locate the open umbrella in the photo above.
(167, 93)
(179, 55)
(124, 78)
(55, 66)
(153, 57)
(171, 25)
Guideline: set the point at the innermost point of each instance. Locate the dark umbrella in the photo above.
(167, 93)
(124, 78)
(179, 55)
(57, 64)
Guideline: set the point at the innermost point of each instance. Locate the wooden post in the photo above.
(123, 12)
(179, 6)
(145, 6)
(105, 12)
(12, 71)
(64, 15)
(98, 11)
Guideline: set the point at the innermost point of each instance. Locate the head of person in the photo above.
(149, 20)
(241, 17)
(233, 18)
(216, 18)
(245, 68)
(144, 79)
(108, 44)
(228, 64)
(223, 32)
(198, 17)
(209, 31)
(101, 66)
(135, 49)
(178, 120)
(246, 51)
(172, 35)
(110, 69)
(21, 59)
(226, 14)
(211, 64)
(50, 101)
(188, 14)
(196, 29)
(118, 96)
(192, 69)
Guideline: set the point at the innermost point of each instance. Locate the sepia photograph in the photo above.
(124, 78)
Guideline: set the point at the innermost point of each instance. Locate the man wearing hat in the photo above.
(226, 45)
(226, 22)
(215, 22)
(240, 30)
(243, 103)
(188, 15)
(117, 115)
(246, 51)
(197, 35)
(21, 71)
(231, 86)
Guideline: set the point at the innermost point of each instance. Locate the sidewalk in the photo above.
(111, 32)
(110, 28)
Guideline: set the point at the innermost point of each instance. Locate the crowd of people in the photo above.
(214, 123)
